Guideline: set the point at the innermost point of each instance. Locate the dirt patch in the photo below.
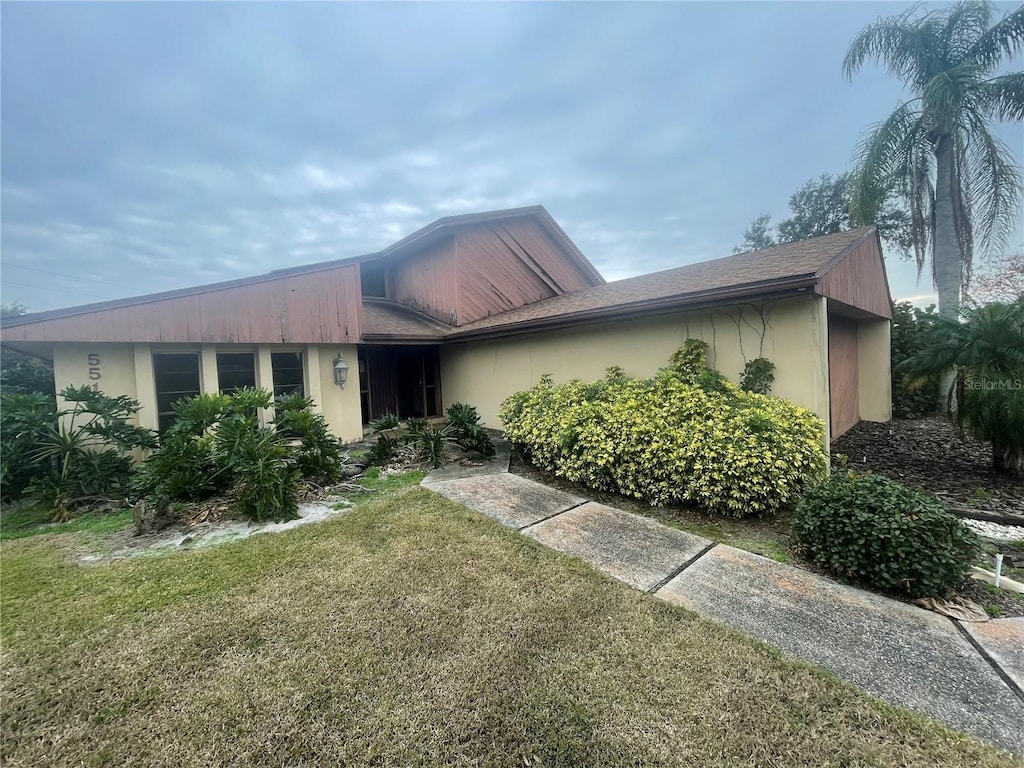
(932, 455)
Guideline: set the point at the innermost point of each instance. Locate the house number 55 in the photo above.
(94, 370)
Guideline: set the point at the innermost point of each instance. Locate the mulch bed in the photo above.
(932, 455)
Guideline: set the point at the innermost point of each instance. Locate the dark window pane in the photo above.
(176, 377)
(236, 370)
(287, 369)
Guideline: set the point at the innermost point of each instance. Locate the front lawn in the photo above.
(407, 632)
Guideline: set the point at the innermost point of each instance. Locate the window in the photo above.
(176, 377)
(287, 370)
(236, 370)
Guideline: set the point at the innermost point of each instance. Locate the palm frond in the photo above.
(1003, 97)
(906, 44)
(1005, 38)
(995, 181)
(965, 24)
(963, 222)
(944, 95)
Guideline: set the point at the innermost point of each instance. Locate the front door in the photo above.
(399, 380)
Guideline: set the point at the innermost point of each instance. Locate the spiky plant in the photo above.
(937, 148)
(986, 352)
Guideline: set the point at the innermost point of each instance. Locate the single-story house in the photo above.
(473, 308)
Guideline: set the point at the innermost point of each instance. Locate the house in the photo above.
(473, 308)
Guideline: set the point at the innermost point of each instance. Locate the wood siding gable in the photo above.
(321, 307)
(858, 280)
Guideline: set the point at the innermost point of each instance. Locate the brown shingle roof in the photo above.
(388, 320)
(783, 266)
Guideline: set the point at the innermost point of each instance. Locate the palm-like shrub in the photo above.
(986, 352)
(79, 452)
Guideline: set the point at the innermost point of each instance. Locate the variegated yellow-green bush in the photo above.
(682, 437)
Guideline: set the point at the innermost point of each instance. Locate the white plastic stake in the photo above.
(999, 569)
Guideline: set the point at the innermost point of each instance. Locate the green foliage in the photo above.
(690, 360)
(910, 329)
(959, 182)
(318, 455)
(668, 440)
(758, 375)
(871, 531)
(387, 421)
(20, 373)
(216, 443)
(431, 442)
(383, 450)
(76, 453)
(465, 427)
(266, 475)
(23, 420)
(986, 350)
(822, 207)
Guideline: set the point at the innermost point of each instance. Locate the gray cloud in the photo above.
(154, 146)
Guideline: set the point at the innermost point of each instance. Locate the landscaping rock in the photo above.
(153, 517)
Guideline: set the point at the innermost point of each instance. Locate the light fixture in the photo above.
(340, 371)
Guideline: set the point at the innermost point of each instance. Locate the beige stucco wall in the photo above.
(790, 332)
(107, 367)
(127, 369)
(874, 359)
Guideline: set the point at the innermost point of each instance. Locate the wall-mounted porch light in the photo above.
(340, 371)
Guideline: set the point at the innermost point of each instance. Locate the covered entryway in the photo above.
(399, 380)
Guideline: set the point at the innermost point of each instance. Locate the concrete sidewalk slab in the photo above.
(1003, 640)
(903, 654)
(510, 499)
(632, 548)
(496, 465)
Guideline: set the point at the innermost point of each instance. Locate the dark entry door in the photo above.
(402, 380)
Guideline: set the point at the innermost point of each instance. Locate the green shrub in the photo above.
(266, 476)
(76, 454)
(911, 328)
(318, 455)
(758, 375)
(23, 419)
(670, 440)
(464, 422)
(383, 450)
(871, 531)
(216, 443)
(387, 421)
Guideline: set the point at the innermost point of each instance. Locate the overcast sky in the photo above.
(153, 146)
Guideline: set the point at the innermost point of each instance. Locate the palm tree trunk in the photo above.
(947, 264)
(1008, 459)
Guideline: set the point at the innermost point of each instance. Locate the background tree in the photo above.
(822, 207)
(936, 149)
(1002, 279)
(21, 373)
(985, 352)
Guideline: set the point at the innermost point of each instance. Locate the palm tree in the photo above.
(985, 352)
(958, 180)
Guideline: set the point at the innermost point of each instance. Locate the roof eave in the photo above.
(800, 285)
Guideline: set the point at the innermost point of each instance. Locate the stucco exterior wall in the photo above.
(109, 368)
(790, 332)
(127, 369)
(873, 353)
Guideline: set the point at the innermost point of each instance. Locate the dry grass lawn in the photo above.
(408, 632)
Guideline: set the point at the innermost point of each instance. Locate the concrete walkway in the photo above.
(968, 676)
